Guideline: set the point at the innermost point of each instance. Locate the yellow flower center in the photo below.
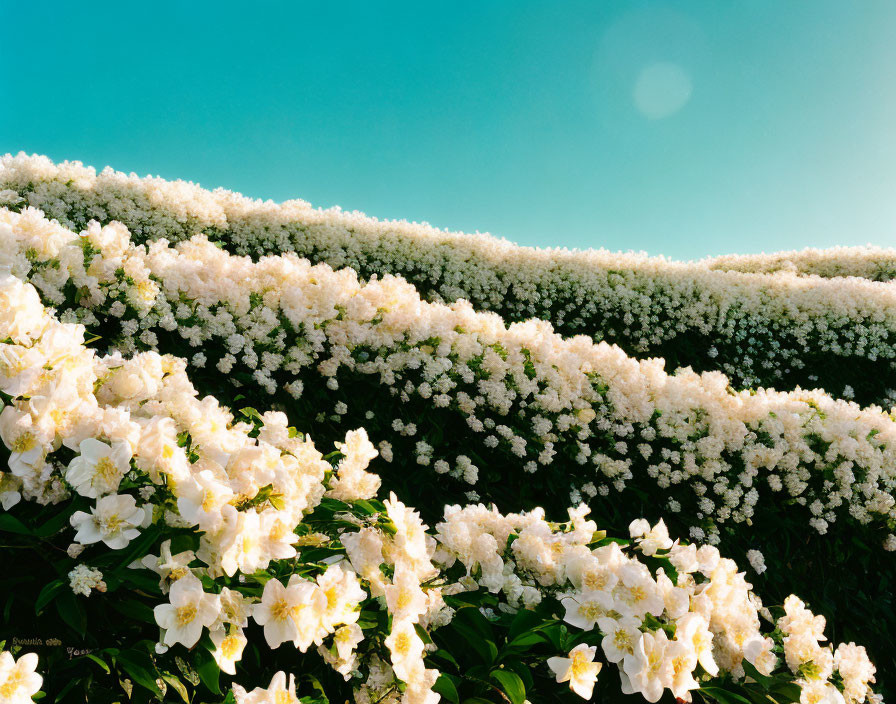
(281, 610)
(112, 523)
(23, 443)
(404, 599)
(283, 697)
(701, 642)
(249, 543)
(596, 581)
(186, 614)
(680, 665)
(230, 647)
(278, 531)
(622, 640)
(147, 290)
(402, 644)
(106, 470)
(332, 597)
(591, 610)
(579, 664)
(9, 688)
(208, 501)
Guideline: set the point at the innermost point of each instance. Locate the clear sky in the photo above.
(683, 128)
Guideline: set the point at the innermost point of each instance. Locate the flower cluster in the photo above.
(754, 327)
(868, 262)
(147, 450)
(814, 664)
(521, 391)
(145, 454)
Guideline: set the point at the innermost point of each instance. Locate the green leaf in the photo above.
(724, 696)
(11, 524)
(523, 670)
(511, 684)
(71, 610)
(441, 654)
(179, 686)
(486, 649)
(55, 524)
(134, 610)
(72, 683)
(47, 594)
(99, 661)
(208, 670)
(318, 687)
(526, 640)
(140, 668)
(523, 621)
(764, 680)
(446, 687)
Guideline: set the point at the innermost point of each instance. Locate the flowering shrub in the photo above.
(868, 262)
(781, 330)
(219, 541)
(521, 395)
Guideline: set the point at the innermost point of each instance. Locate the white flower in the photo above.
(637, 594)
(84, 579)
(404, 597)
(169, 567)
(280, 691)
(235, 609)
(852, 662)
(292, 612)
(190, 609)
(351, 481)
(620, 636)
(579, 669)
(584, 609)
(346, 639)
(114, 520)
(757, 561)
(639, 527)
(648, 668)
(25, 440)
(344, 595)
(99, 468)
(656, 538)
(693, 630)
(683, 660)
(18, 680)
(819, 692)
(228, 648)
(405, 647)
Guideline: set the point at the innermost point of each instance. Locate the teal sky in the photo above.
(682, 128)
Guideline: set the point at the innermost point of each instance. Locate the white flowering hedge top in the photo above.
(519, 395)
(215, 538)
(782, 330)
(868, 262)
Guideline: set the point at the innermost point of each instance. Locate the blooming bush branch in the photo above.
(520, 393)
(253, 546)
(779, 330)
